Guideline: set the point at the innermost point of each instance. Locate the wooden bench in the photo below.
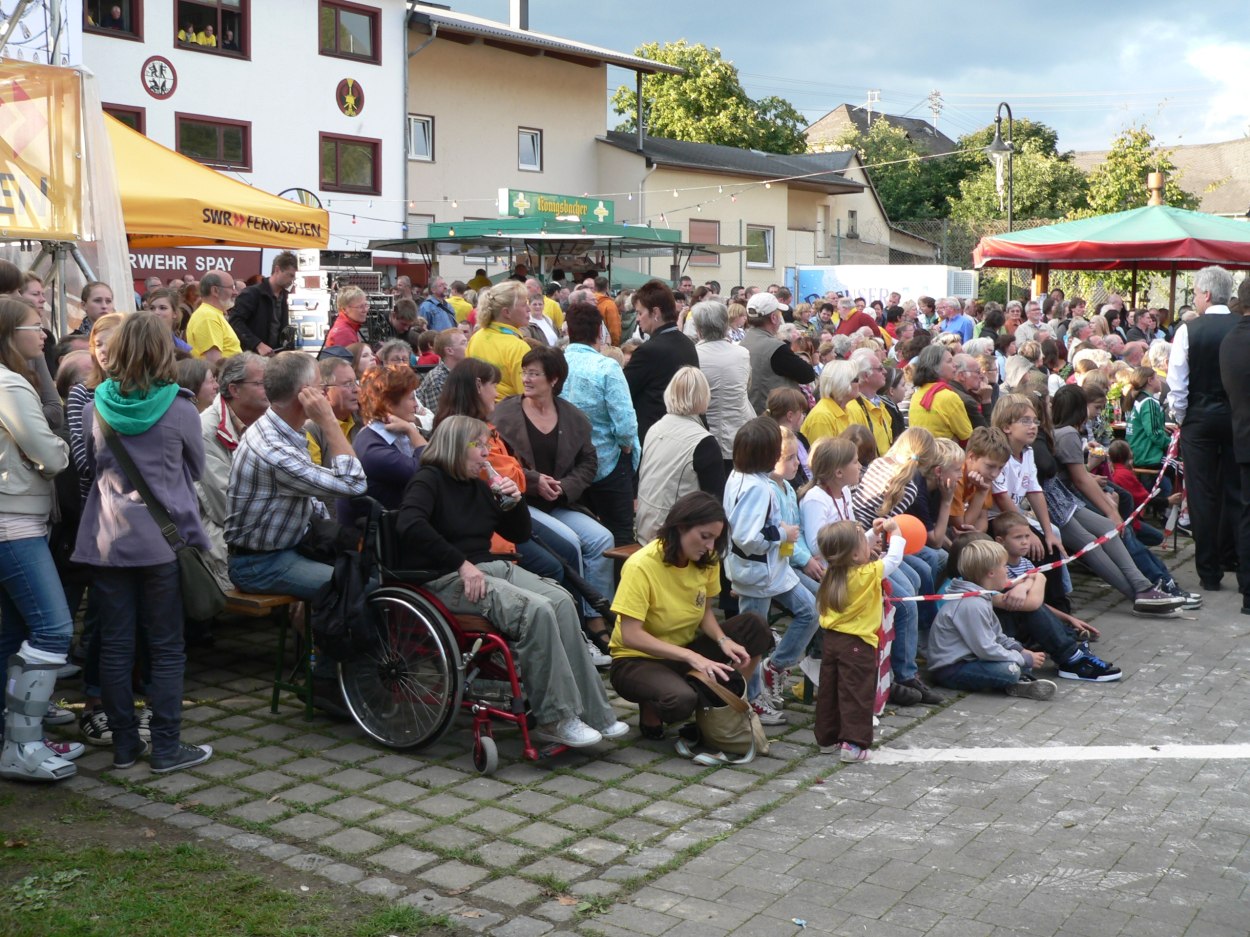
(618, 556)
(255, 605)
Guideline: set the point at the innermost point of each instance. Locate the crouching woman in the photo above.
(445, 524)
(665, 626)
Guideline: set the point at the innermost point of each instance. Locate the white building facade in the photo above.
(279, 94)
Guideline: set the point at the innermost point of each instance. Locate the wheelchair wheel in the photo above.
(406, 689)
(486, 755)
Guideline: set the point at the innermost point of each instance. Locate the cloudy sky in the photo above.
(1088, 69)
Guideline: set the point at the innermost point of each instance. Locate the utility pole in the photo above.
(935, 105)
(874, 97)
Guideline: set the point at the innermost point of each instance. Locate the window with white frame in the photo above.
(529, 149)
(421, 138)
(759, 245)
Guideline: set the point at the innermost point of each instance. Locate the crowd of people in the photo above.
(756, 454)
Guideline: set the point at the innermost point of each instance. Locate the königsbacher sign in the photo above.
(516, 203)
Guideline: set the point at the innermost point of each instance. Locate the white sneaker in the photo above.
(769, 716)
(571, 732)
(617, 730)
(597, 657)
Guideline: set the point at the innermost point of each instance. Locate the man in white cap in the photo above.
(773, 364)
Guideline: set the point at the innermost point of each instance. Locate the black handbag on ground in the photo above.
(202, 598)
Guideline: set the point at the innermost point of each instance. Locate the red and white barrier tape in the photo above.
(1168, 459)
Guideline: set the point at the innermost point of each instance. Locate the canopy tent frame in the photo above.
(546, 239)
(1154, 238)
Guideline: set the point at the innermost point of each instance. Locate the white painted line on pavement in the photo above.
(898, 756)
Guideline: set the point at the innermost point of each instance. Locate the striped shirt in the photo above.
(274, 486)
(869, 494)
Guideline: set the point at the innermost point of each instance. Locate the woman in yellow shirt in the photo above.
(934, 406)
(502, 315)
(665, 625)
(839, 385)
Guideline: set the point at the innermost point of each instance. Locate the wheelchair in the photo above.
(427, 665)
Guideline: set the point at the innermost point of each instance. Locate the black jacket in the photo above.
(1234, 353)
(651, 367)
(259, 316)
(976, 414)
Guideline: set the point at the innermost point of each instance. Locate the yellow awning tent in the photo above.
(169, 200)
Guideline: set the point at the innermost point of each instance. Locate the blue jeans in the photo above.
(32, 602)
(559, 540)
(906, 625)
(1146, 562)
(147, 597)
(594, 539)
(801, 604)
(280, 572)
(979, 675)
(926, 577)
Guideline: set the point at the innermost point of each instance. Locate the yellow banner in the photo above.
(41, 152)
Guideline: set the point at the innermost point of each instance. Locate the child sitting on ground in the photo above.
(967, 647)
(850, 603)
(1024, 615)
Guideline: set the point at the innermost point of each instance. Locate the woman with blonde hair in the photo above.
(680, 456)
(839, 385)
(502, 317)
(353, 309)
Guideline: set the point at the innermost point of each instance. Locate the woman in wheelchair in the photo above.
(445, 525)
(666, 626)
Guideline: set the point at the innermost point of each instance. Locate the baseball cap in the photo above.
(762, 305)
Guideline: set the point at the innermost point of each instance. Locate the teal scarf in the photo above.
(133, 414)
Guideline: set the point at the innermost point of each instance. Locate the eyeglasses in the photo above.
(477, 444)
(344, 386)
(261, 383)
(28, 328)
(1029, 422)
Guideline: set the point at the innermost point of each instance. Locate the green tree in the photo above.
(1119, 184)
(707, 104)
(902, 179)
(1044, 185)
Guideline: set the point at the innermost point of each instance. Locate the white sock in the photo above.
(35, 656)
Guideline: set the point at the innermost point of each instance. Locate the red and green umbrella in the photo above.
(1157, 237)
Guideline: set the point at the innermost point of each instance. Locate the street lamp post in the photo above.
(1000, 152)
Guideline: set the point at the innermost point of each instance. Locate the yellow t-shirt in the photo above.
(878, 421)
(461, 306)
(826, 419)
(208, 329)
(862, 616)
(670, 601)
(479, 283)
(948, 419)
(504, 348)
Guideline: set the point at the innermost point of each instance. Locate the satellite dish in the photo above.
(303, 196)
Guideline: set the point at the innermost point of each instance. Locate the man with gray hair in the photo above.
(950, 311)
(967, 385)
(436, 311)
(274, 484)
(239, 403)
(851, 319)
(1200, 405)
(1133, 353)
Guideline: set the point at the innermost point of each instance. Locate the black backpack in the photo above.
(342, 622)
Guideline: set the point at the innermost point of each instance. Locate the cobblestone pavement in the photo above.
(630, 839)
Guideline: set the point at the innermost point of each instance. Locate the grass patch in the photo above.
(184, 890)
